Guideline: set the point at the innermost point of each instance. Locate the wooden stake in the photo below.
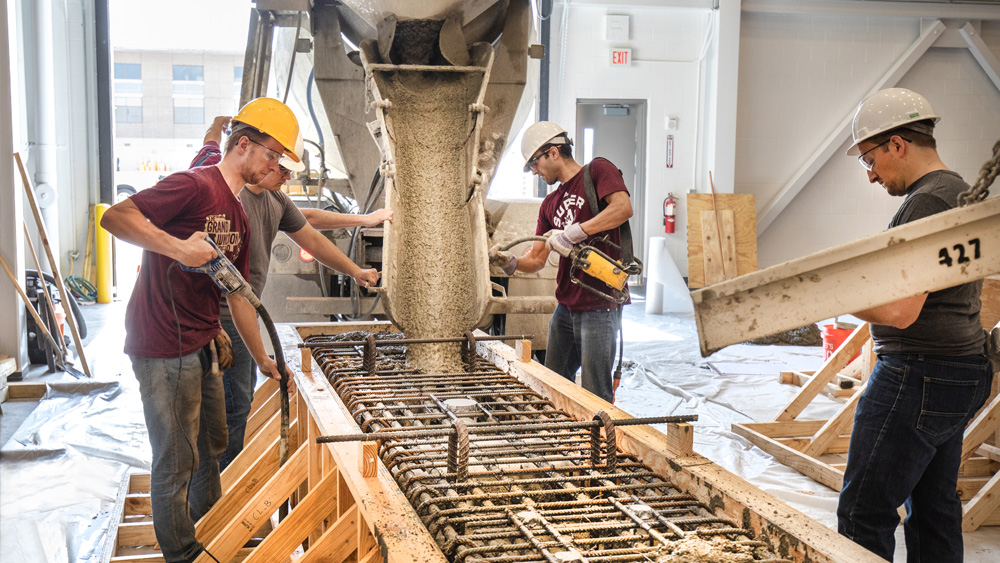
(368, 459)
(523, 349)
(718, 227)
(307, 360)
(30, 192)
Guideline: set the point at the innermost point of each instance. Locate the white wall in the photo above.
(801, 74)
(667, 45)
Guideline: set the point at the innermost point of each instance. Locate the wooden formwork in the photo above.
(818, 448)
(347, 507)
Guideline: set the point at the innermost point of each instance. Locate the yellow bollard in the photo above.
(103, 244)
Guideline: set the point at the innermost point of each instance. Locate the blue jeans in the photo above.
(905, 449)
(239, 382)
(584, 340)
(183, 406)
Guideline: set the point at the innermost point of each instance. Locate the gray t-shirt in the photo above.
(948, 324)
(268, 212)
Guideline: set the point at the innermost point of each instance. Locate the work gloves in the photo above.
(505, 260)
(563, 241)
(224, 347)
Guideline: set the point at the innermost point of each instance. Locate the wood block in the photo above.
(718, 243)
(523, 349)
(368, 459)
(744, 212)
(680, 438)
(989, 316)
(307, 360)
(26, 390)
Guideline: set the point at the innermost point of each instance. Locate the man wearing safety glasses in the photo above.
(270, 210)
(931, 375)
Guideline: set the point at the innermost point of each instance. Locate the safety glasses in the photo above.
(869, 163)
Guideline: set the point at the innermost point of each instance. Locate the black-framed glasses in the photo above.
(534, 161)
(270, 154)
(870, 163)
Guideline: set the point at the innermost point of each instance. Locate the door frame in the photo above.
(638, 191)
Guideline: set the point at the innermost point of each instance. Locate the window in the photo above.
(189, 94)
(189, 110)
(128, 109)
(128, 71)
(189, 73)
(128, 93)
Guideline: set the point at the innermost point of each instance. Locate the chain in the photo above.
(981, 189)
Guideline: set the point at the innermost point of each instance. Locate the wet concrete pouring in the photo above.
(497, 473)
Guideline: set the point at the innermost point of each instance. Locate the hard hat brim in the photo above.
(293, 165)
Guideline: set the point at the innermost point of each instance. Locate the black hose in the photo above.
(279, 358)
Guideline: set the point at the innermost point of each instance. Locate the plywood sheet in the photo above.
(743, 208)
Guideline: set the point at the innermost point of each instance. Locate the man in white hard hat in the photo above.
(270, 210)
(931, 375)
(583, 327)
(173, 315)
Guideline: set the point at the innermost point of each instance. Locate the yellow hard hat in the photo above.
(271, 117)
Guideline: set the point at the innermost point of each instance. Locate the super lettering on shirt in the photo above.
(566, 214)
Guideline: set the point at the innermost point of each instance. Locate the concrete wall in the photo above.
(803, 73)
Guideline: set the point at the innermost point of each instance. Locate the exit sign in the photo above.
(621, 57)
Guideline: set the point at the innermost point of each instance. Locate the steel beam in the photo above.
(835, 141)
(982, 53)
(957, 246)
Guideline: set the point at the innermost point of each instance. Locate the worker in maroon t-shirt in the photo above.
(584, 325)
(173, 315)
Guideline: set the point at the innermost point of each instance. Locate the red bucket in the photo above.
(833, 337)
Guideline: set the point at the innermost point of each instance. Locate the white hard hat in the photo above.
(291, 164)
(541, 134)
(888, 109)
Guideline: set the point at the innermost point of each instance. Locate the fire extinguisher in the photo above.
(669, 215)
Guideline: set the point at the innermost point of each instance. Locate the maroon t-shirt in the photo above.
(568, 205)
(209, 155)
(182, 204)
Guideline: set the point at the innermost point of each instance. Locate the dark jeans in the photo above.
(239, 382)
(906, 447)
(584, 340)
(183, 406)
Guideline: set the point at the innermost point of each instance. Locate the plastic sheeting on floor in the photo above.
(666, 375)
(62, 470)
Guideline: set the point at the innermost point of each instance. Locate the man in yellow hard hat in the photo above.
(591, 201)
(931, 375)
(270, 210)
(173, 315)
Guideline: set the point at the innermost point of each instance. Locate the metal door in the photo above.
(616, 130)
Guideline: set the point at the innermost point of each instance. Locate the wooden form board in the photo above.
(807, 445)
(737, 213)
